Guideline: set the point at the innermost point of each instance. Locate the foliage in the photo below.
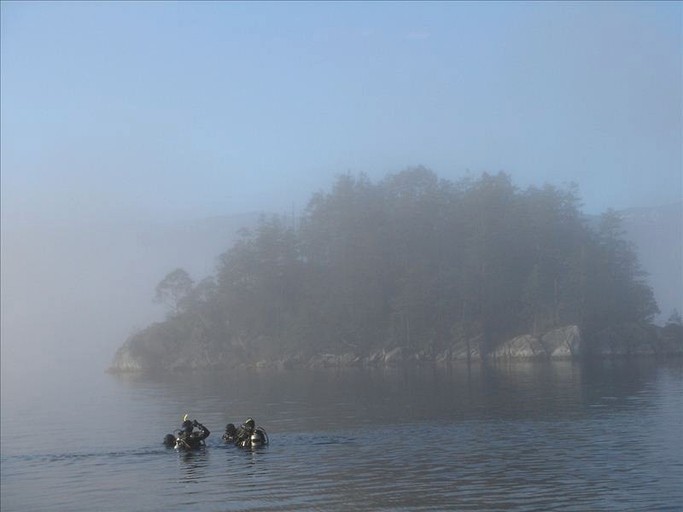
(414, 261)
(174, 290)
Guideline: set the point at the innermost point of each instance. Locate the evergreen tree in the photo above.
(411, 261)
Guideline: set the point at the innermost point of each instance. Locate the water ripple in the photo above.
(529, 440)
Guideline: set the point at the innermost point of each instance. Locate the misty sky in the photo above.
(125, 110)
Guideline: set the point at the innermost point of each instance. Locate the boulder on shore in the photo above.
(520, 347)
(561, 343)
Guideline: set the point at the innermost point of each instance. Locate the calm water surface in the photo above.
(524, 437)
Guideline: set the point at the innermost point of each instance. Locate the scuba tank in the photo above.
(259, 437)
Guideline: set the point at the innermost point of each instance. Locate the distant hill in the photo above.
(657, 233)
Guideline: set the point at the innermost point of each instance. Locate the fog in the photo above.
(72, 294)
(126, 125)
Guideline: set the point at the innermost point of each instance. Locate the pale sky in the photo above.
(169, 111)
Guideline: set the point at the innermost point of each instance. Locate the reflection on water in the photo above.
(558, 436)
(324, 399)
(193, 464)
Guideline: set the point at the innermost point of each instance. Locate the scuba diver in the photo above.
(169, 441)
(243, 435)
(230, 433)
(249, 435)
(188, 438)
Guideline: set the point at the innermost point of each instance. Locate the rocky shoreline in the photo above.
(565, 343)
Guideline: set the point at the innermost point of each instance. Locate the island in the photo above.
(412, 268)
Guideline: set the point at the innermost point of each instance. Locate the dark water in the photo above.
(524, 437)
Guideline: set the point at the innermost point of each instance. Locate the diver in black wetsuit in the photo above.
(188, 438)
(243, 435)
(229, 434)
(249, 435)
(169, 440)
